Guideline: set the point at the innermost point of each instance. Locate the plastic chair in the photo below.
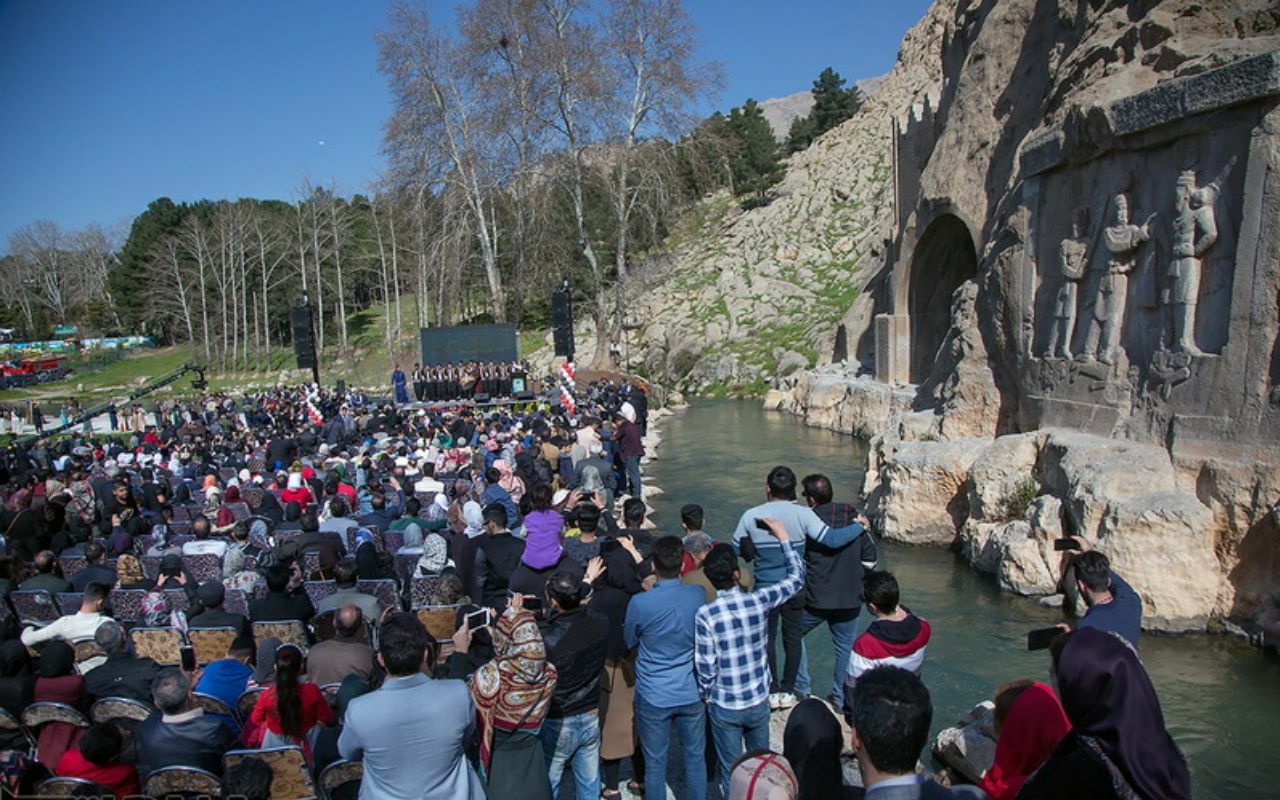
(211, 644)
(110, 708)
(340, 773)
(163, 645)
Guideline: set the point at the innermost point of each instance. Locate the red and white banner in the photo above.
(568, 381)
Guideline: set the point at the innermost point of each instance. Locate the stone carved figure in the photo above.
(1194, 231)
(1072, 261)
(1122, 240)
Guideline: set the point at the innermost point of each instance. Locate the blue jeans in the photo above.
(633, 475)
(844, 627)
(653, 724)
(576, 741)
(730, 729)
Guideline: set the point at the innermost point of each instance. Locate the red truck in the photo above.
(32, 370)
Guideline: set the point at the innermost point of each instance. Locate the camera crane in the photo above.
(198, 383)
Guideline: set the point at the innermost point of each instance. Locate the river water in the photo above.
(1221, 698)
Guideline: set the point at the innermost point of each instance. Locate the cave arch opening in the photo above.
(944, 258)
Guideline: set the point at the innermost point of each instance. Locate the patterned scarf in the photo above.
(512, 692)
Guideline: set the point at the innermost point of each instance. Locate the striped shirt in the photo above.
(732, 637)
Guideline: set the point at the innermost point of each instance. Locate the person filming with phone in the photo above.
(1113, 605)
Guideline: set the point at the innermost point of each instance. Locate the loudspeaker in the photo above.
(524, 395)
(562, 323)
(304, 346)
(482, 398)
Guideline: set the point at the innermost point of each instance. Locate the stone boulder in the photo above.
(1001, 472)
(1014, 552)
(923, 497)
(1125, 501)
(835, 400)
(969, 746)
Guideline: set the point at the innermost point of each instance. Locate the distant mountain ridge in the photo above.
(780, 112)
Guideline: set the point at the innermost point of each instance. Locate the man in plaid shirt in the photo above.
(731, 656)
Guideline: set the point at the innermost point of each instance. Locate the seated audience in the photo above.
(100, 758)
(344, 577)
(212, 595)
(281, 604)
(181, 734)
(248, 778)
(227, 678)
(347, 653)
(74, 627)
(46, 576)
(57, 682)
(288, 712)
(97, 571)
(122, 674)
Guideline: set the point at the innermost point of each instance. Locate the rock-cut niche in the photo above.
(943, 259)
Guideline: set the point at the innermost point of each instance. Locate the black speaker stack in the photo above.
(562, 322)
(304, 340)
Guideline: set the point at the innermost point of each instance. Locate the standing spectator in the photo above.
(577, 641)
(1118, 746)
(1113, 605)
(812, 743)
(897, 638)
(660, 623)
(892, 713)
(408, 753)
(803, 526)
(833, 578)
(1029, 723)
(612, 597)
(731, 663)
(496, 558)
(630, 450)
(512, 693)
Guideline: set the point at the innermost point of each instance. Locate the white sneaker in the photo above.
(781, 700)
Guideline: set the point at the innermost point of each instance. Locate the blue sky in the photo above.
(110, 104)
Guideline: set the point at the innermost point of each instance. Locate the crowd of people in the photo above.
(474, 605)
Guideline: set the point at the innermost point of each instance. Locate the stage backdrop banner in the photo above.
(469, 343)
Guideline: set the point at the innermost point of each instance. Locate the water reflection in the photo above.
(1221, 698)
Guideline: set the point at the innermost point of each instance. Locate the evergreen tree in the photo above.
(754, 165)
(162, 218)
(832, 105)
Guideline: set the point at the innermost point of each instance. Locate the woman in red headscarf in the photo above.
(1029, 724)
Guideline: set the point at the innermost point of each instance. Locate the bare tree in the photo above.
(433, 137)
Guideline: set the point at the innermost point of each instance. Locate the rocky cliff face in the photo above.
(1055, 131)
(743, 297)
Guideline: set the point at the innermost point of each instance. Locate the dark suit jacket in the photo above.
(220, 619)
(279, 607)
(46, 580)
(122, 675)
(98, 573)
(199, 742)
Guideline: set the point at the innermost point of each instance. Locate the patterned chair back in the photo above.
(10, 723)
(68, 602)
(177, 599)
(318, 590)
(438, 620)
(204, 567)
(34, 606)
(310, 559)
(291, 779)
(385, 590)
(71, 565)
(240, 511)
(66, 787)
(421, 589)
(211, 644)
(247, 700)
(87, 649)
(164, 645)
(126, 605)
(213, 705)
(287, 631)
(182, 782)
(109, 708)
(393, 540)
(37, 714)
(340, 773)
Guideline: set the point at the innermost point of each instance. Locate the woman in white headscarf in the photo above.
(435, 555)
